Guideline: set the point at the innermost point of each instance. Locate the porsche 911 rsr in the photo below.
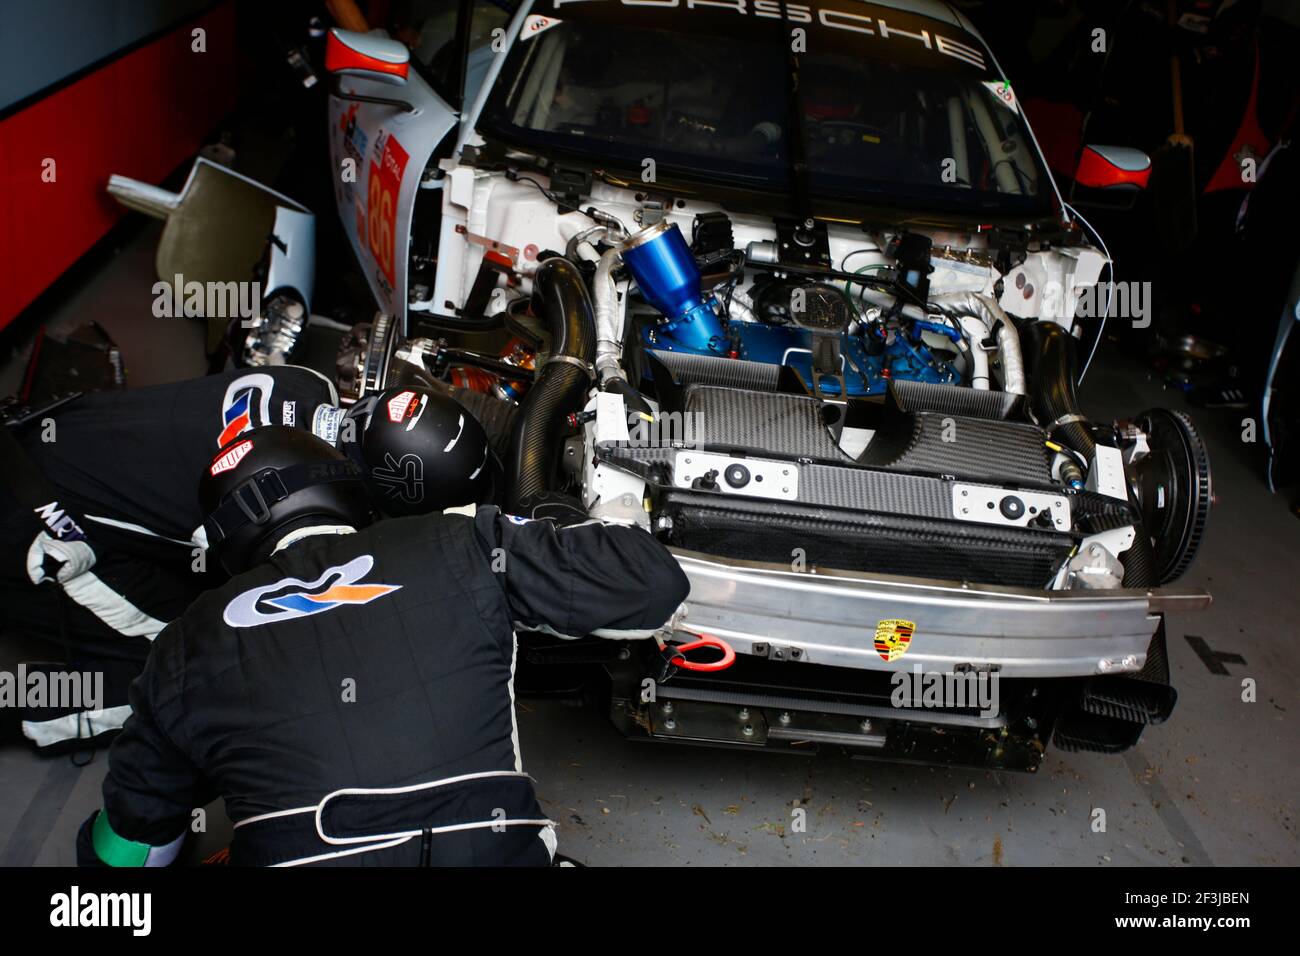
(790, 286)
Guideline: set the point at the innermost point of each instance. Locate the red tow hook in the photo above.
(679, 658)
(674, 657)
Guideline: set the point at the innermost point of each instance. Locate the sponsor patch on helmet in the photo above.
(230, 459)
(291, 598)
(416, 411)
(398, 406)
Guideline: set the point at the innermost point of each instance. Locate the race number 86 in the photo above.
(379, 205)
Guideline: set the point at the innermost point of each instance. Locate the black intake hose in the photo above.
(561, 299)
(1054, 364)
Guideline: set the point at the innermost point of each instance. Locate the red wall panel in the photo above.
(140, 115)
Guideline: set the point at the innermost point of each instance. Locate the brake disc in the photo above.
(1172, 486)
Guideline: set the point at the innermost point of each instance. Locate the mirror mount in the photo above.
(337, 90)
(1110, 177)
(367, 56)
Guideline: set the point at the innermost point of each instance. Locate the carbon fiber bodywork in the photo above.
(973, 448)
(915, 442)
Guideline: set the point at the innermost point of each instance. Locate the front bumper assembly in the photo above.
(1085, 670)
(830, 617)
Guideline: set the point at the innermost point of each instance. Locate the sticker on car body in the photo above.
(893, 637)
(536, 23)
(383, 188)
(1002, 92)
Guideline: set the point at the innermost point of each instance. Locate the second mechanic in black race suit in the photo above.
(102, 545)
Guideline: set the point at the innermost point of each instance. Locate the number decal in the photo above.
(382, 193)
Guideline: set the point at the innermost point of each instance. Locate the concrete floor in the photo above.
(1216, 785)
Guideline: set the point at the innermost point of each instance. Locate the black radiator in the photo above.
(854, 541)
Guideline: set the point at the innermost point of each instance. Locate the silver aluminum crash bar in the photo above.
(830, 617)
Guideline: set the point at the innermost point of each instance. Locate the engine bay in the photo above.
(878, 409)
(903, 399)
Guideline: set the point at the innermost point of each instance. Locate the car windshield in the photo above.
(890, 107)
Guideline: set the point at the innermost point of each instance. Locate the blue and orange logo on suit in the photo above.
(292, 598)
(247, 404)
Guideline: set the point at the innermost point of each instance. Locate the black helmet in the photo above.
(269, 481)
(421, 451)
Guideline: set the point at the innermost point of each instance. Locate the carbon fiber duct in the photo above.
(954, 400)
(690, 369)
(1055, 370)
(977, 449)
(562, 300)
(496, 417)
(1139, 561)
(1055, 364)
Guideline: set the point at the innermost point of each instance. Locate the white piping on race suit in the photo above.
(302, 861)
(397, 839)
(85, 588)
(136, 528)
(334, 392)
(299, 534)
(43, 733)
(514, 717)
(415, 788)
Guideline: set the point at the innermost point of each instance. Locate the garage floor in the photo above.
(1216, 785)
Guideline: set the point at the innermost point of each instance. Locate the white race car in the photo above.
(790, 286)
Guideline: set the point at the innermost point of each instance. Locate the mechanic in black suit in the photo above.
(101, 538)
(349, 691)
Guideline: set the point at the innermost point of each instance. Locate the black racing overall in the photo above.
(98, 553)
(352, 699)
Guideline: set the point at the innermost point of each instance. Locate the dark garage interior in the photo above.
(355, 355)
